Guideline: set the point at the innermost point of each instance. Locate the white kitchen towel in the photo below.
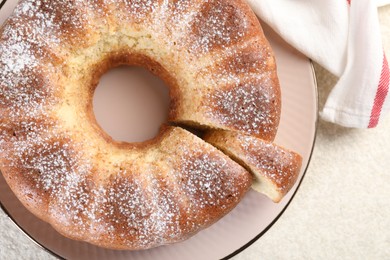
(344, 37)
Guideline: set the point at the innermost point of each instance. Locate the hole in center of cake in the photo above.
(131, 104)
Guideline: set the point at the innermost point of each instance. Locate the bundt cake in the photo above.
(67, 171)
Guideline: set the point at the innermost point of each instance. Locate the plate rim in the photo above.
(2, 3)
(250, 242)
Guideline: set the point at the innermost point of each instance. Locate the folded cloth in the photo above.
(344, 37)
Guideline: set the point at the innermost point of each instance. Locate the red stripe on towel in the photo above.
(381, 93)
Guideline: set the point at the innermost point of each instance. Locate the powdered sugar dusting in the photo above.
(181, 14)
(217, 25)
(202, 178)
(17, 60)
(27, 42)
(42, 27)
(139, 210)
(47, 162)
(136, 10)
(248, 107)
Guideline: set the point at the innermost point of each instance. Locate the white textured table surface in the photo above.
(341, 211)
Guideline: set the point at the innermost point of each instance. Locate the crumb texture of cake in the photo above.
(68, 172)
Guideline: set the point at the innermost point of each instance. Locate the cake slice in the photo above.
(275, 169)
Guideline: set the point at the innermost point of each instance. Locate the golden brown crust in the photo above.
(70, 173)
